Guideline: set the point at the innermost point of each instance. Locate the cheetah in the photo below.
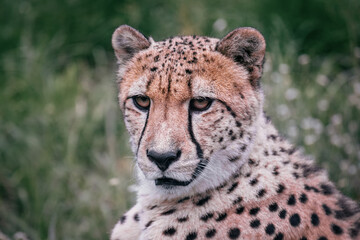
(209, 162)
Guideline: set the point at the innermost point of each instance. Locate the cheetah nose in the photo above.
(163, 160)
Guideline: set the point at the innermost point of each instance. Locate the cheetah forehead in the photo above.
(183, 67)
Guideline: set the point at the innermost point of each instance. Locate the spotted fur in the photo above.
(233, 176)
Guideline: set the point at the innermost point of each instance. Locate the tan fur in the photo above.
(250, 175)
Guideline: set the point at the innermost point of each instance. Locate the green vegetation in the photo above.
(65, 164)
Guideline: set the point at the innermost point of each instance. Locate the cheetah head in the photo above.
(190, 105)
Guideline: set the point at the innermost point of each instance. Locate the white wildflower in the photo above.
(356, 87)
(336, 119)
(276, 77)
(304, 59)
(114, 181)
(323, 105)
(220, 25)
(322, 80)
(310, 139)
(292, 131)
(357, 52)
(283, 68)
(291, 94)
(352, 170)
(283, 110)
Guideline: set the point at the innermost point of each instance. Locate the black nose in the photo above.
(163, 160)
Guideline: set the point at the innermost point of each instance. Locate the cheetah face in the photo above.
(190, 105)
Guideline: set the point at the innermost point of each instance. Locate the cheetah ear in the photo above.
(246, 46)
(127, 41)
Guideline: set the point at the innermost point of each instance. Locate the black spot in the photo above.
(243, 148)
(191, 236)
(307, 187)
(275, 171)
(272, 136)
(221, 139)
(170, 231)
(210, 233)
(315, 189)
(310, 169)
(315, 219)
(322, 238)
(149, 223)
(136, 217)
(292, 150)
(254, 182)
(238, 124)
(152, 207)
(348, 208)
(221, 217)
(122, 219)
(281, 188)
(251, 161)
(303, 238)
(240, 210)
(237, 200)
(326, 189)
(254, 211)
(234, 233)
(279, 236)
(255, 223)
(354, 231)
(303, 198)
(270, 229)
(207, 216)
(326, 209)
(188, 71)
(291, 200)
(273, 207)
(336, 229)
(296, 175)
(295, 220)
(282, 214)
(156, 58)
(171, 211)
(183, 199)
(183, 219)
(233, 187)
(261, 193)
(153, 69)
(203, 201)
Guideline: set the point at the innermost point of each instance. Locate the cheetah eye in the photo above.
(141, 102)
(200, 104)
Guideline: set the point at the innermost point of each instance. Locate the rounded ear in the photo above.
(127, 41)
(246, 46)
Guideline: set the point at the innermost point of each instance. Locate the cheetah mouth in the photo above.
(169, 182)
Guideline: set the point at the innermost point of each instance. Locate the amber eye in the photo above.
(200, 104)
(142, 102)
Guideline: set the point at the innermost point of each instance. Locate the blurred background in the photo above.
(65, 164)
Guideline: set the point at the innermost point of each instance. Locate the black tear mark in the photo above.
(142, 132)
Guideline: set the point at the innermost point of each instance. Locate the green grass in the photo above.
(65, 164)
